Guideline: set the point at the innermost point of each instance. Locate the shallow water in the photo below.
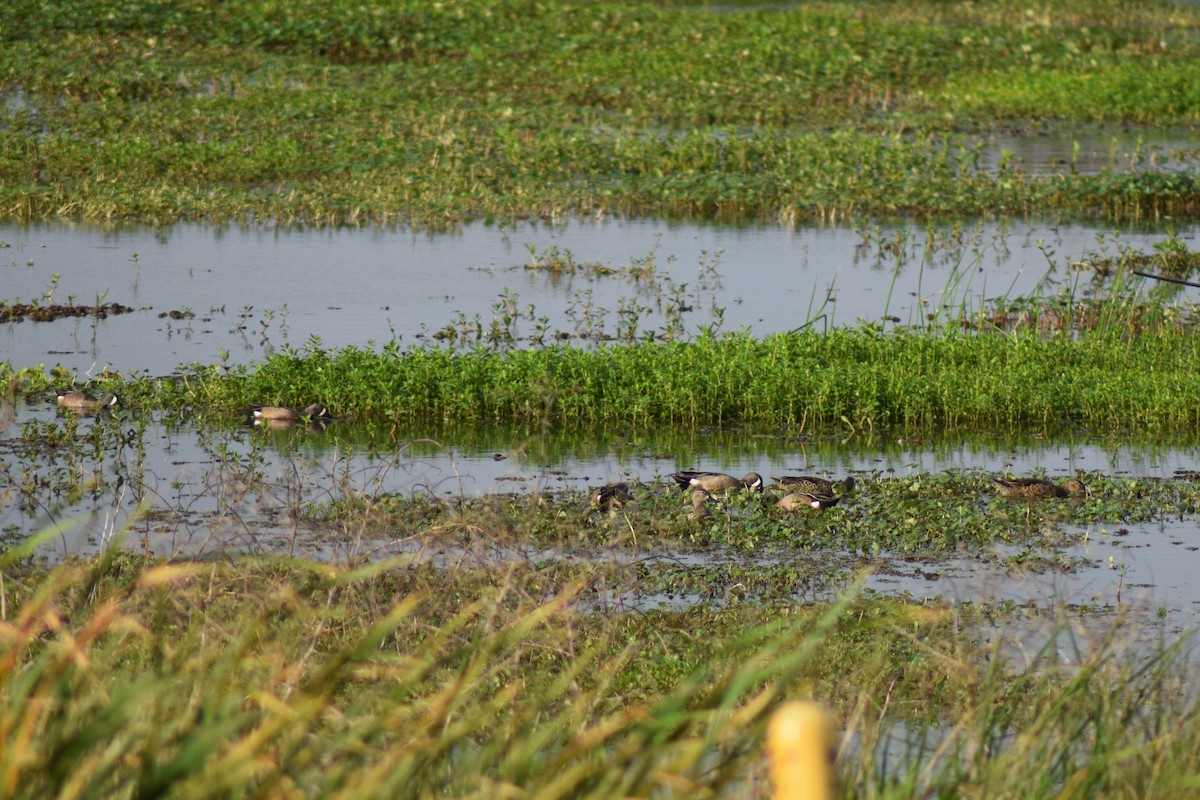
(1089, 151)
(207, 491)
(252, 290)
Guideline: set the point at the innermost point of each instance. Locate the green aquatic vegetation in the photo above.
(657, 312)
(930, 516)
(563, 261)
(1101, 363)
(1170, 257)
(861, 378)
(1111, 91)
(344, 113)
(55, 465)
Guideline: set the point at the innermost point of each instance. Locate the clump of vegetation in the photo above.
(47, 312)
(933, 517)
(863, 377)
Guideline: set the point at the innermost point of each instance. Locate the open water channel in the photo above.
(240, 293)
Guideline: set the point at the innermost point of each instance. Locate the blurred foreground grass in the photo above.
(121, 677)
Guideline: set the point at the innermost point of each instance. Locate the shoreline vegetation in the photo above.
(223, 674)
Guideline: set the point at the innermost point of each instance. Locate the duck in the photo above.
(614, 495)
(700, 508)
(1038, 488)
(80, 402)
(821, 486)
(285, 414)
(716, 481)
(798, 501)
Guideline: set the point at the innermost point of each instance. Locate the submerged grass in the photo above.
(121, 677)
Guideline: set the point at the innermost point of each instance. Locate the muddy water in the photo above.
(211, 295)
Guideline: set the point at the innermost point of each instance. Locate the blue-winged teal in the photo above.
(78, 401)
(716, 481)
(1038, 488)
(285, 414)
(807, 483)
(613, 495)
(798, 501)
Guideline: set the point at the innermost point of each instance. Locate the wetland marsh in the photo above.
(525, 249)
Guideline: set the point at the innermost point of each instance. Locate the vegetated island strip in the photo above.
(864, 377)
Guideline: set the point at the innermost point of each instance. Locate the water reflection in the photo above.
(232, 295)
(1089, 151)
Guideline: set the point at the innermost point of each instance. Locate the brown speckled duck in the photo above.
(799, 501)
(285, 414)
(700, 508)
(1038, 488)
(822, 486)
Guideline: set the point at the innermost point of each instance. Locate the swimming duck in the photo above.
(285, 414)
(80, 402)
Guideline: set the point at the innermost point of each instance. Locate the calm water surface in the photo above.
(248, 291)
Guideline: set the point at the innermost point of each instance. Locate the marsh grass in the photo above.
(276, 677)
(1129, 361)
(402, 112)
(162, 679)
(1063, 359)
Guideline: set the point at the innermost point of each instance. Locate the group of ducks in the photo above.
(803, 492)
(82, 403)
(800, 491)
